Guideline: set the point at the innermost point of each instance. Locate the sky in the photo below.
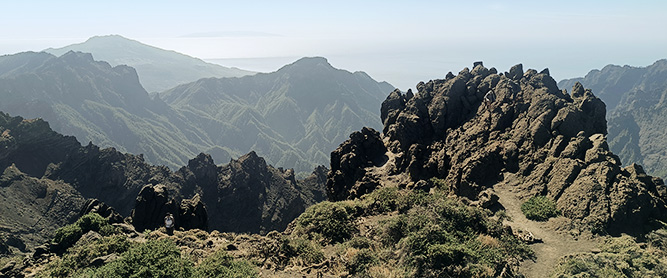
(402, 42)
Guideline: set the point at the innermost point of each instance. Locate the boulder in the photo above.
(152, 205)
(192, 214)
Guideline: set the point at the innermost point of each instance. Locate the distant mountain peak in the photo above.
(309, 63)
(158, 69)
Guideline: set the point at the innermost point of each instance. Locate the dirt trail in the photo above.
(554, 244)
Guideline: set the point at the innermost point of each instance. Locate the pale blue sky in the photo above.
(402, 42)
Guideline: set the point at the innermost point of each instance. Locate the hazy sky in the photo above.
(401, 42)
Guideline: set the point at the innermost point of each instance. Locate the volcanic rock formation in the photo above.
(553, 143)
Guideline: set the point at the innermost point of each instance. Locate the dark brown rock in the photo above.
(152, 205)
(192, 214)
(348, 162)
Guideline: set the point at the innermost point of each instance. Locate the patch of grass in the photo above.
(539, 208)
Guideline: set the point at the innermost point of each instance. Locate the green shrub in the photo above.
(68, 235)
(539, 208)
(360, 242)
(92, 222)
(332, 221)
(382, 200)
(78, 258)
(155, 258)
(221, 264)
(361, 261)
(302, 249)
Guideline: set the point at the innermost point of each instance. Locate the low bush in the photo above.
(302, 251)
(223, 265)
(330, 222)
(539, 208)
(361, 261)
(155, 258)
(68, 235)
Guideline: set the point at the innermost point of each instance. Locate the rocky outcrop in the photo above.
(154, 203)
(31, 145)
(349, 161)
(247, 195)
(551, 141)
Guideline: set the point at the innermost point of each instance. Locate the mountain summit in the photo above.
(158, 69)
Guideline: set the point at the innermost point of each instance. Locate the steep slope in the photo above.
(158, 69)
(548, 141)
(294, 117)
(96, 103)
(636, 98)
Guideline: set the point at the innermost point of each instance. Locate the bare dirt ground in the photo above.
(556, 241)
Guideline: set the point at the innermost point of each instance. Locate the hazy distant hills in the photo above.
(636, 111)
(295, 116)
(96, 102)
(158, 69)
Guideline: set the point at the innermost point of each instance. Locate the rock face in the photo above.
(553, 143)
